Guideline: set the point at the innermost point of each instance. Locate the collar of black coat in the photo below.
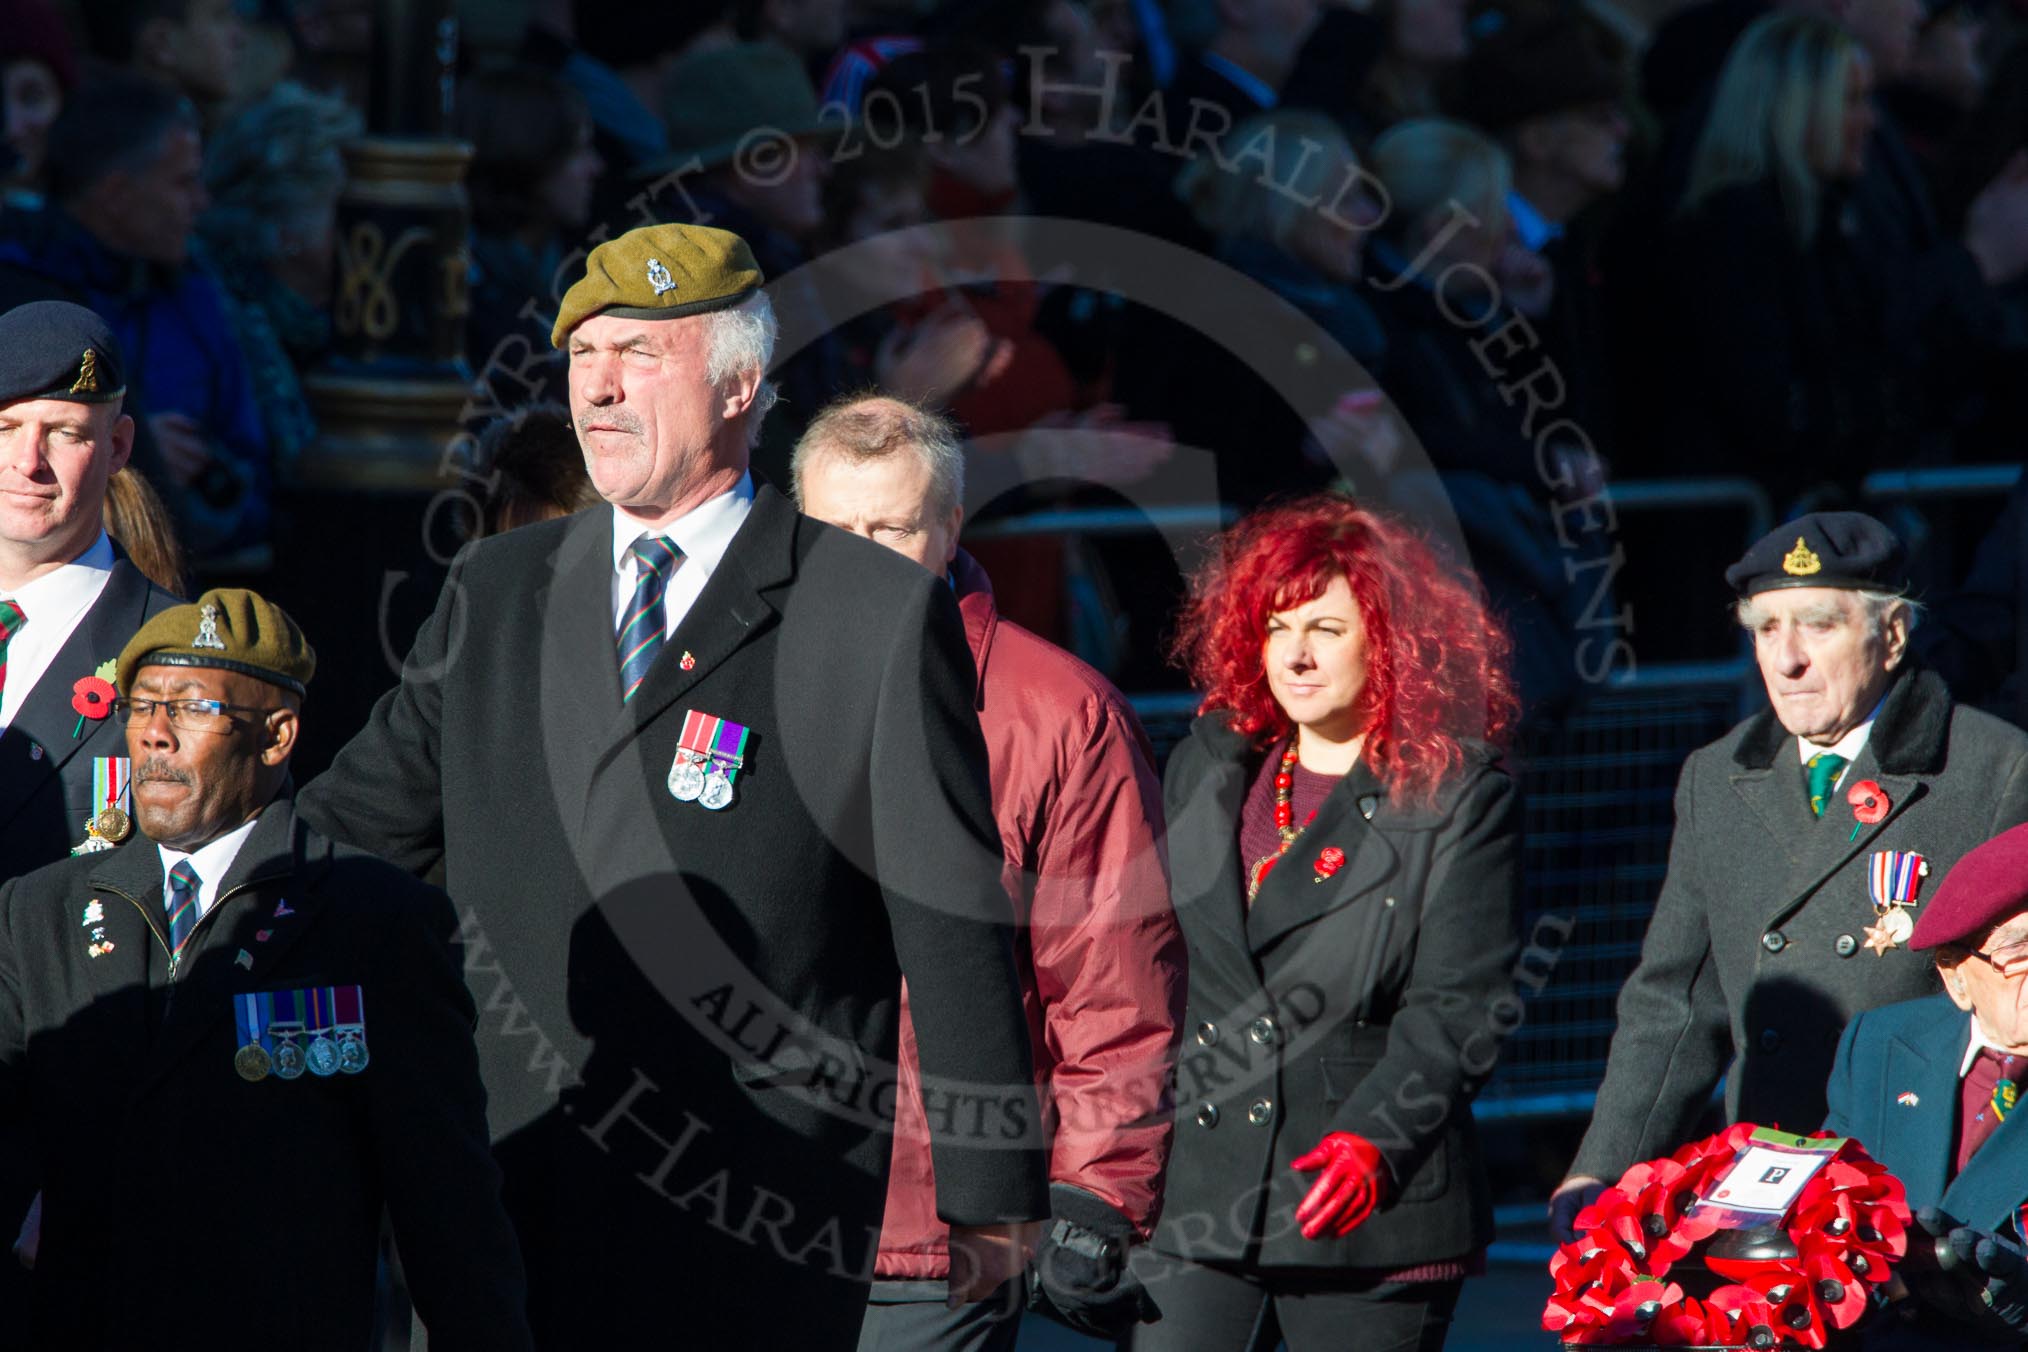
(1909, 736)
(279, 845)
(1214, 732)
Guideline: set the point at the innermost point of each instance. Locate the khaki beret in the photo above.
(229, 628)
(660, 272)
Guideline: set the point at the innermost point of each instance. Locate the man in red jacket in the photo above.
(1079, 810)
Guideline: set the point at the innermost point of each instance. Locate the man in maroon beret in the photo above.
(1930, 1088)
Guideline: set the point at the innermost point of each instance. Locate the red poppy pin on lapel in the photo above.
(92, 697)
(1328, 863)
(1869, 805)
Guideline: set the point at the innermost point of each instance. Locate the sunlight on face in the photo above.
(1315, 658)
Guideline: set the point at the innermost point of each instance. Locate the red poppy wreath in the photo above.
(1845, 1231)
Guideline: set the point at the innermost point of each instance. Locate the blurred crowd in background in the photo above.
(1477, 259)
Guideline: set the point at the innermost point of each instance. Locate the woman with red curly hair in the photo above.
(1345, 852)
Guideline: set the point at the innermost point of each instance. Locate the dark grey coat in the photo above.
(1373, 1003)
(688, 1017)
(1755, 959)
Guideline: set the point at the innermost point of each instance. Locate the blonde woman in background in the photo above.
(140, 525)
(1775, 332)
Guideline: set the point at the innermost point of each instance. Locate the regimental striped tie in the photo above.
(12, 617)
(181, 903)
(645, 623)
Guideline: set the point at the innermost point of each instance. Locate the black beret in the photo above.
(51, 349)
(1823, 549)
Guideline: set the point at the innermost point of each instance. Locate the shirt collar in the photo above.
(67, 590)
(703, 533)
(211, 861)
(1251, 85)
(1535, 231)
(1978, 1043)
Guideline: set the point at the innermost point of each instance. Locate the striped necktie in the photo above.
(12, 617)
(181, 903)
(644, 624)
(1823, 769)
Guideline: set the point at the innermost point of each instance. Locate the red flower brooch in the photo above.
(92, 697)
(1329, 862)
(1870, 804)
(1848, 1227)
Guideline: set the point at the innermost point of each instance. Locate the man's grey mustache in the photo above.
(616, 419)
(156, 769)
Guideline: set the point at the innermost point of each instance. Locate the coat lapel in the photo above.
(46, 719)
(1292, 896)
(268, 871)
(579, 666)
(730, 612)
(1995, 1180)
(1203, 836)
(1923, 1060)
(1834, 845)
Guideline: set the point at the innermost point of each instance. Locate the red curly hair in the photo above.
(1438, 672)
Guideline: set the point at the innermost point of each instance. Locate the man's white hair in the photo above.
(1878, 607)
(742, 339)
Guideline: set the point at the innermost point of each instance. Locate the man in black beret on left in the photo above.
(1807, 840)
(68, 602)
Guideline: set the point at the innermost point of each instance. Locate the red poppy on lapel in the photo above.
(1329, 862)
(92, 697)
(1869, 802)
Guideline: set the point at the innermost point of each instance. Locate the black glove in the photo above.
(1079, 1276)
(1998, 1268)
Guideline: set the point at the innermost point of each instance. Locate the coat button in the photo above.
(1263, 1031)
(1770, 1040)
(1846, 945)
(1207, 1033)
(1260, 1112)
(1207, 1114)
(1774, 941)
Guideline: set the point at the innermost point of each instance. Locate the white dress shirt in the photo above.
(212, 863)
(1849, 746)
(53, 603)
(702, 533)
(1978, 1043)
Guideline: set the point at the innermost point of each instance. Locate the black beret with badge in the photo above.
(1824, 549)
(52, 349)
(229, 628)
(660, 272)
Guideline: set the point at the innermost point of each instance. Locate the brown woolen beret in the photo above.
(229, 628)
(660, 272)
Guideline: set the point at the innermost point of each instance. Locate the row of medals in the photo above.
(322, 1057)
(690, 782)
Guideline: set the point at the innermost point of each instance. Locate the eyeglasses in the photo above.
(191, 715)
(2011, 960)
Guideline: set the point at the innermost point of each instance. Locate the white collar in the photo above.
(62, 593)
(1978, 1043)
(1849, 746)
(703, 533)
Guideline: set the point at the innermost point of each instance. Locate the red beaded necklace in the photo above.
(1285, 822)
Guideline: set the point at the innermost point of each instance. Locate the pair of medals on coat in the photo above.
(1892, 879)
(318, 1029)
(111, 820)
(709, 757)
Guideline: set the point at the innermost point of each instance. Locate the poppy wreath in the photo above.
(1848, 1225)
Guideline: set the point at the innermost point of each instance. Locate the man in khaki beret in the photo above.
(222, 1005)
(705, 778)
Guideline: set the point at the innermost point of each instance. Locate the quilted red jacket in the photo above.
(1080, 811)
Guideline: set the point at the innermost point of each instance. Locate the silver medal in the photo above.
(288, 1057)
(323, 1056)
(717, 790)
(1898, 925)
(686, 778)
(352, 1054)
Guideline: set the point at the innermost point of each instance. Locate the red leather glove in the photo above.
(1353, 1183)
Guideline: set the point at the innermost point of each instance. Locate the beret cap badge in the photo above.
(659, 278)
(87, 381)
(1801, 561)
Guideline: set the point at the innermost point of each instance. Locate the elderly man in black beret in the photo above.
(237, 1045)
(706, 778)
(1803, 840)
(1931, 1087)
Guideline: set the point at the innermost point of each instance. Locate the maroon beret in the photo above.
(1987, 886)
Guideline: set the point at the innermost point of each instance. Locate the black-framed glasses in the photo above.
(2010, 960)
(191, 715)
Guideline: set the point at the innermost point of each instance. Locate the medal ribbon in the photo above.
(109, 781)
(251, 1013)
(698, 732)
(1893, 877)
(321, 1005)
(350, 1004)
(728, 748)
